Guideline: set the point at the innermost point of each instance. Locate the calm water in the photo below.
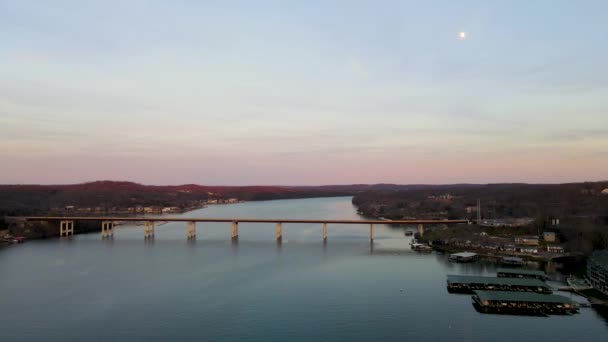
(212, 289)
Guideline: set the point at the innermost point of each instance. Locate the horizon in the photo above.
(290, 185)
(303, 93)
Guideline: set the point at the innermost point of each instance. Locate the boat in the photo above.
(423, 248)
(409, 233)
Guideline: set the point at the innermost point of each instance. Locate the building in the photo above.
(527, 249)
(597, 270)
(527, 240)
(549, 236)
(555, 249)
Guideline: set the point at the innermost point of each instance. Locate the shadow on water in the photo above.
(602, 313)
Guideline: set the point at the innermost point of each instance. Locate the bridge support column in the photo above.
(191, 231)
(371, 232)
(421, 230)
(149, 230)
(324, 231)
(235, 231)
(107, 229)
(66, 228)
(279, 231)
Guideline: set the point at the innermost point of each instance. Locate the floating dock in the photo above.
(526, 303)
(468, 284)
(464, 257)
(512, 261)
(521, 273)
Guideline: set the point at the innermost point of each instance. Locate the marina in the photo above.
(521, 273)
(468, 284)
(523, 303)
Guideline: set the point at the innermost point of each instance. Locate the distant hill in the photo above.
(31, 199)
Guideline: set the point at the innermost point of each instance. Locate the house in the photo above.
(549, 236)
(527, 249)
(527, 240)
(509, 248)
(555, 249)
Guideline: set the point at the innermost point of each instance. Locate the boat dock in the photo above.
(508, 302)
(468, 284)
(512, 261)
(464, 257)
(521, 273)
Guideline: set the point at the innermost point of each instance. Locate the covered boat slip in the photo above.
(523, 303)
(464, 257)
(468, 284)
(521, 273)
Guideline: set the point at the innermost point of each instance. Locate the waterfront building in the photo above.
(555, 249)
(527, 240)
(597, 270)
(527, 249)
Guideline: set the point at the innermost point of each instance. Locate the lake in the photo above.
(213, 289)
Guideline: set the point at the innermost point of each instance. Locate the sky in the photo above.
(303, 92)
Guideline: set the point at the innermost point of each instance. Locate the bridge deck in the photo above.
(240, 220)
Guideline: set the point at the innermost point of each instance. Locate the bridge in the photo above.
(108, 224)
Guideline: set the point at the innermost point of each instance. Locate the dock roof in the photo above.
(521, 271)
(531, 297)
(463, 279)
(464, 254)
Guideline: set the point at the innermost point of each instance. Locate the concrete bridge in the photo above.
(108, 224)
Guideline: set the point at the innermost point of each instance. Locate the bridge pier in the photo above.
(421, 230)
(107, 229)
(324, 231)
(191, 230)
(66, 228)
(279, 231)
(235, 231)
(371, 232)
(149, 230)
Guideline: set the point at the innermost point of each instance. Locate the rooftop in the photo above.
(463, 279)
(531, 297)
(521, 271)
(464, 254)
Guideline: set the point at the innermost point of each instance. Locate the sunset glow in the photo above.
(313, 93)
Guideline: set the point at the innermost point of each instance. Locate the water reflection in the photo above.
(213, 288)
